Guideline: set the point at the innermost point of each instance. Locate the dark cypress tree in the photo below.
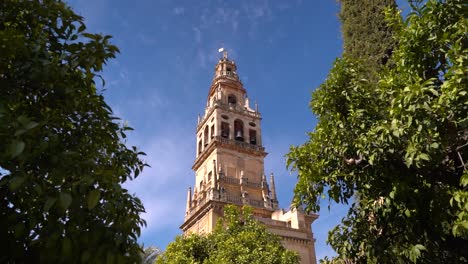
(366, 34)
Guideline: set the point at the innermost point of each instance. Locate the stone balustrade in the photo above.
(238, 143)
(239, 200)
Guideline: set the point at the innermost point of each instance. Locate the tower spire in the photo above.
(225, 54)
(189, 200)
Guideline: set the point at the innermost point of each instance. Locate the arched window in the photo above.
(239, 130)
(212, 131)
(253, 137)
(225, 129)
(205, 136)
(199, 146)
(232, 99)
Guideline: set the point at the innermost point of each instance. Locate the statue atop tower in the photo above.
(229, 166)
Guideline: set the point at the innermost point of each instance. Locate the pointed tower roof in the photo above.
(226, 73)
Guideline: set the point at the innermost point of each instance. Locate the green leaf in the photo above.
(435, 145)
(93, 198)
(407, 213)
(66, 247)
(16, 148)
(23, 120)
(464, 179)
(16, 182)
(19, 132)
(65, 199)
(424, 156)
(31, 125)
(49, 203)
(19, 230)
(85, 257)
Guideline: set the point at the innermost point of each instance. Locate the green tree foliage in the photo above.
(61, 150)
(398, 148)
(366, 34)
(238, 238)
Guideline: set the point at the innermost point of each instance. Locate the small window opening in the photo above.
(205, 136)
(212, 131)
(232, 99)
(225, 130)
(253, 137)
(199, 147)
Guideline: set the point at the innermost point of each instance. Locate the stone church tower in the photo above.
(229, 167)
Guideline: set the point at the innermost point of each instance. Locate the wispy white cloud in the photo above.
(257, 9)
(221, 16)
(201, 58)
(146, 39)
(197, 33)
(162, 187)
(178, 10)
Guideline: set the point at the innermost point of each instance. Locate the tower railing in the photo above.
(236, 108)
(229, 180)
(252, 184)
(226, 74)
(234, 199)
(245, 182)
(239, 143)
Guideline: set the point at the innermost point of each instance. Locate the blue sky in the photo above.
(160, 80)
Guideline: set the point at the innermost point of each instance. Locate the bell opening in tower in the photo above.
(224, 130)
(205, 136)
(253, 137)
(232, 100)
(239, 130)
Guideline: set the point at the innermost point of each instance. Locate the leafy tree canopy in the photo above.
(397, 148)
(62, 155)
(237, 238)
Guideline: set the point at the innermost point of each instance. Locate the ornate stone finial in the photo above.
(273, 188)
(218, 94)
(189, 200)
(215, 175)
(225, 54)
(264, 182)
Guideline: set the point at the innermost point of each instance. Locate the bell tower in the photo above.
(229, 166)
